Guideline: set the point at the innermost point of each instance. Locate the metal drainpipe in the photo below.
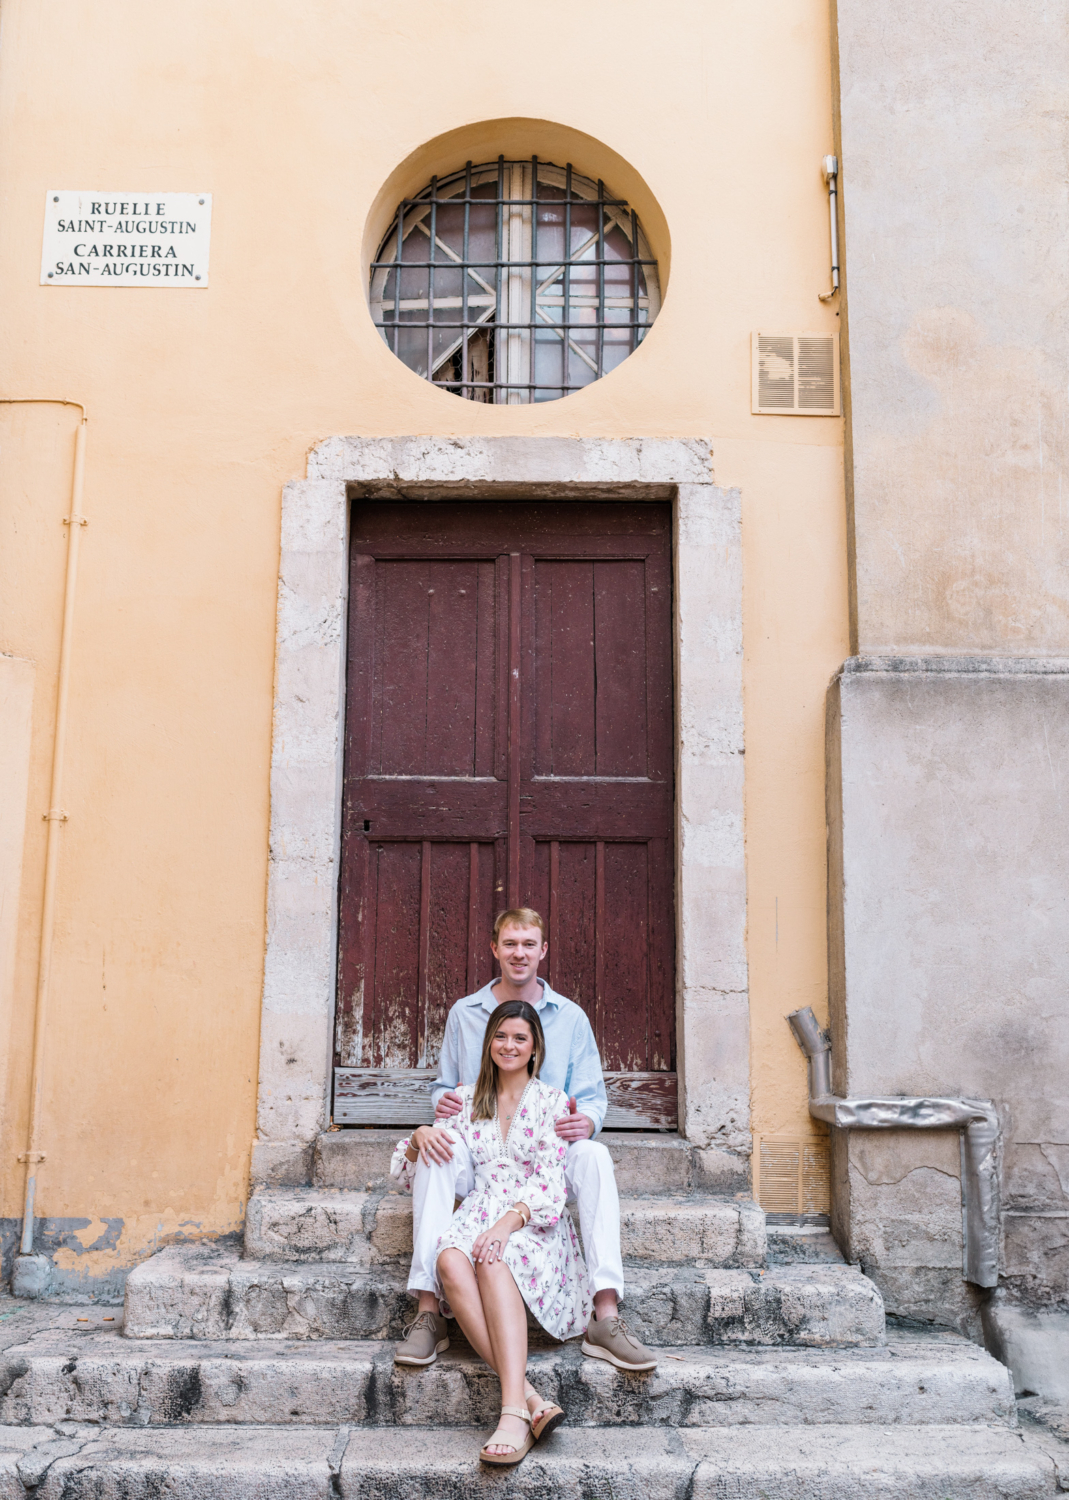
(975, 1119)
(32, 1274)
(829, 169)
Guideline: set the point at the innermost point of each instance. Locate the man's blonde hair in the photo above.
(520, 916)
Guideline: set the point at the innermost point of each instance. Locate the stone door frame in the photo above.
(712, 1019)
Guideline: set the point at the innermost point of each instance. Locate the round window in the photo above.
(514, 281)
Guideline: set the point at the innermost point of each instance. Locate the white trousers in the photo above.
(591, 1183)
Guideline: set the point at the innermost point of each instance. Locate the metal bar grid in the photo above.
(430, 280)
(456, 361)
(609, 260)
(601, 285)
(542, 327)
(424, 198)
(534, 278)
(497, 241)
(398, 253)
(464, 355)
(565, 352)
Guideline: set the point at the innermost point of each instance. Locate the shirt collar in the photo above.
(486, 999)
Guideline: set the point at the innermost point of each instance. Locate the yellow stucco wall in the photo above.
(203, 403)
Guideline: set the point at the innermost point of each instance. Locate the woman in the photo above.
(511, 1242)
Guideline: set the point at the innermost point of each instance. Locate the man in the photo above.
(444, 1171)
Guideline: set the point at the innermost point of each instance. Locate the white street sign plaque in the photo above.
(126, 239)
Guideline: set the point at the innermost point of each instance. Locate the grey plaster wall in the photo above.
(954, 136)
(949, 837)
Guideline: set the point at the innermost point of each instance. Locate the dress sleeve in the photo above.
(544, 1192)
(403, 1170)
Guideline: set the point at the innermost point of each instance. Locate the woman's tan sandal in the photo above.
(501, 1439)
(545, 1419)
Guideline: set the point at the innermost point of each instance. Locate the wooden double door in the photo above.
(509, 741)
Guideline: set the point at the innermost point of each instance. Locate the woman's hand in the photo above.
(434, 1144)
(490, 1245)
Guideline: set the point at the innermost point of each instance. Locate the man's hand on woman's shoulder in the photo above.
(448, 1105)
(573, 1126)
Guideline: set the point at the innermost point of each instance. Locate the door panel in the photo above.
(433, 700)
(428, 908)
(508, 740)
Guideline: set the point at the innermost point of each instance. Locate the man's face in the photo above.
(519, 951)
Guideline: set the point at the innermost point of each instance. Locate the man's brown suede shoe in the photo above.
(425, 1338)
(608, 1338)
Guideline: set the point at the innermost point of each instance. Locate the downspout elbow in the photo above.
(816, 1045)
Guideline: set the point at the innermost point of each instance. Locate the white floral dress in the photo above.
(528, 1167)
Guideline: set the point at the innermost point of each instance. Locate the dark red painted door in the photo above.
(509, 741)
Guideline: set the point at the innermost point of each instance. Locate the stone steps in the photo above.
(104, 1378)
(77, 1462)
(789, 1244)
(644, 1162)
(373, 1228)
(197, 1291)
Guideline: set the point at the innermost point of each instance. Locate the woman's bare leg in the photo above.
(462, 1293)
(506, 1324)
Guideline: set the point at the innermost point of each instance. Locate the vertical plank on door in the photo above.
(486, 671)
(394, 1033)
(564, 681)
(515, 706)
(447, 949)
(575, 924)
(424, 947)
(502, 570)
(473, 915)
(620, 663)
(355, 977)
(660, 725)
(554, 914)
(401, 681)
(491, 887)
(354, 896)
(623, 1014)
(534, 867)
(660, 960)
(599, 939)
(452, 667)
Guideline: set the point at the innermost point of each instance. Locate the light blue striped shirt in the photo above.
(572, 1063)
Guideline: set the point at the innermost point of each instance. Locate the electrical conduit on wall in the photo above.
(31, 1273)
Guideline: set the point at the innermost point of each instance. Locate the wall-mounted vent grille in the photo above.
(792, 1174)
(796, 374)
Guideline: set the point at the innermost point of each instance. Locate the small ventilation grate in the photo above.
(792, 1174)
(795, 374)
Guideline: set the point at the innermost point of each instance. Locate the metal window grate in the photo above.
(514, 281)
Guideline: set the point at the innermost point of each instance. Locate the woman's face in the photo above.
(512, 1045)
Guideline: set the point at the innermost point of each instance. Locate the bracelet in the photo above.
(518, 1208)
(411, 1159)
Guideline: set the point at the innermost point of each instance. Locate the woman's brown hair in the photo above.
(484, 1102)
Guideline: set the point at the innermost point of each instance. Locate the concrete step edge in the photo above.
(108, 1379)
(347, 1225)
(325, 1463)
(648, 1161)
(191, 1291)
